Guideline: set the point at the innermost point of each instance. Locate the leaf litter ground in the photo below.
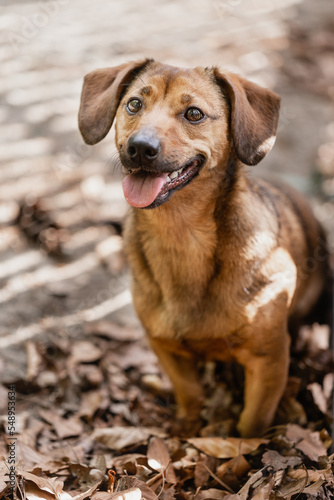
(94, 416)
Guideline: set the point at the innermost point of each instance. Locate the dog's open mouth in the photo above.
(143, 189)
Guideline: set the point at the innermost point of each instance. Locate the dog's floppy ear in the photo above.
(254, 116)
(101, 93)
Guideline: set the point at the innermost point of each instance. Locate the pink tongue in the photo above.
(141, 189)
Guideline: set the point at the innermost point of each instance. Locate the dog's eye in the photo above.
(134, 105)
(194, 115)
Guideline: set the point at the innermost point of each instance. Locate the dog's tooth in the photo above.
(179, 171)
(168, 179)
(173, 175)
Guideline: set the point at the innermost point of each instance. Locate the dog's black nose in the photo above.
(143, 147)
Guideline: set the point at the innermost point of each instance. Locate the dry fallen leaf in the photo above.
(288, 489)
(159, 459)
(113, 331)
(312, 475)
(278, 461)
(132, 494)
(210, 494)
(204, 465)
(255, 480)
(64, 427)
(33, 492)
(102, 495)
(49, 485)
(232, 471)
(86, 494)
(226, 448)
(34, 361)
(90, 403)
(318, 396)
(118, 438)
(84, 352)
(128, 483)
(263, 491)
(307, 441)
(127, 463)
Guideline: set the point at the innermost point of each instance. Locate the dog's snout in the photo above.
(143, 147)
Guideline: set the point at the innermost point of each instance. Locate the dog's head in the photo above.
(173, 124)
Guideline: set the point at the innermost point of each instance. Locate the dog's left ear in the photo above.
(254, 116)
(101, 93)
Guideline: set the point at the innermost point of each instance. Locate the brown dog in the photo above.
(220, 262)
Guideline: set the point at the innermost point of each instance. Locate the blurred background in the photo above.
(61, 202)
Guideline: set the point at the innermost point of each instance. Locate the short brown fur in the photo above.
(222, 265)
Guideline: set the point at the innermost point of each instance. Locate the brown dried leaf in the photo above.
(306, 441)
(28, 455)
(232, 471)
(202, 471)
(159, 459)
(131, 494)
(32, 492)
(328, 385)
(114, 331)
(263, 492)
(167, 493)
(287, 490)
(254, 481)
(102, 495)
(87, 494)
(312, 475)
(64, 427)
(118, 438)
(313, 489)
(134, 355)
(85, 474)
(278, 462)
(226, 448)
(128, 482)
(67, 453)
(34, 361)
(211, 494)
(127, 463)
(84, 352)
(50, 485)
(90, 403)
(318, 396)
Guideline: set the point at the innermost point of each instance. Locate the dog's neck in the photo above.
(186, 229)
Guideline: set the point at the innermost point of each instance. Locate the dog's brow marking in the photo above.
(146, 90)
(186, 98)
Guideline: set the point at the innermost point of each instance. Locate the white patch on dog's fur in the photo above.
(281, 282)
(267, 145)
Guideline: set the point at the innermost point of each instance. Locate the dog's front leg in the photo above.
(266, 374)
(183, 373)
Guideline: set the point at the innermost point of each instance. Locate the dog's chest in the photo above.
(177, 287)
(181, 260)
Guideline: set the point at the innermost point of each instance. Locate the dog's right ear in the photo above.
(101, 94)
